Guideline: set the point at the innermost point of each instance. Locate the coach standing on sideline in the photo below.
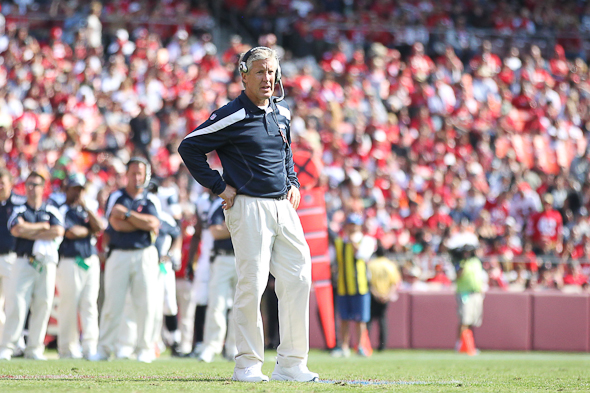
(133, 263)
(8, 201)
(260, 193)
(36, 227)
(78, 274)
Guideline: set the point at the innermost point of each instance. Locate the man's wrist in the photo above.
(127, 214)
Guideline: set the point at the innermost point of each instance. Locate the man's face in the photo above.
(260, 80)
(73, 193)
(136, 175)
(35, 186)
(5, 187)
(352, 230)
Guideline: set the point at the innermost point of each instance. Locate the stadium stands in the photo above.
(428, 118)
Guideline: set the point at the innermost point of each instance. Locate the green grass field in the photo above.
(403, 371)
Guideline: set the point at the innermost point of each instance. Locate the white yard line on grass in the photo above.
(154, 377)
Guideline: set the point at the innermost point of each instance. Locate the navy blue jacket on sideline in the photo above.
(145, 203)
(256, 160)
(7, 241)
(46, 213)
(168, 227)
(71, 248)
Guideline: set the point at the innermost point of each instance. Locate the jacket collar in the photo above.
(249, 105)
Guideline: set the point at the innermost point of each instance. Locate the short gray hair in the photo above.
(258, 53)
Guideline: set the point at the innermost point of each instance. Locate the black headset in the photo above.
(148, 169)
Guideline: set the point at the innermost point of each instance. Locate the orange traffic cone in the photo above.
(467, 343)
(365, 344)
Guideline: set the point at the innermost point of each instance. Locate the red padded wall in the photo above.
(506, 322)
(560, 321)
(433, 320)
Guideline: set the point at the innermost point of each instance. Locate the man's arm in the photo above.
(207, 137)
(293, 194)
(37, 230)
(118, 221)
(289, 164)
(51, 233)
(94, 222)
(28, 230)
(135, 221)
(77, 232)
(144, 222)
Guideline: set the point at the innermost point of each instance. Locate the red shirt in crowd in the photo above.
(545, 226)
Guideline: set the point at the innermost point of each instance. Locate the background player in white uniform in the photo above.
(38, 229)
(8, 201)
(78, 274)
(133, 262)
(202, 242)
(222, 287)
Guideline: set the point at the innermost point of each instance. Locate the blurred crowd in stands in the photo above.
(417, 123)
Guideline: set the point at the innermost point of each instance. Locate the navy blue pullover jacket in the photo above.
(7, 241)
(256, 160)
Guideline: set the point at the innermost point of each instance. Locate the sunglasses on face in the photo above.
(33, 185)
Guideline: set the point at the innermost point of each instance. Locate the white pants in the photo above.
(78, 294)
(267, 236)
(127, 340)
(222, 287)
(165, 304)
(170, 304)
(127, 337)
(28, 288)
(186, 314)
(200, 291)
(6, 263)
(135, 271)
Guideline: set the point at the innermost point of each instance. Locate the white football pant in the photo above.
(267, 237)
(78, 295)
(28, 287)
(134, 271)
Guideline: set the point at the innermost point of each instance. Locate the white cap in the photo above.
(123, 35)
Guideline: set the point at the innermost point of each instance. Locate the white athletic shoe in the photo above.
(124, 352)
(297, 373)
(35, 356)
(71, 355)
(98, 357)
(5, 354)
(146, 356)
(206, 355)
(249, 374)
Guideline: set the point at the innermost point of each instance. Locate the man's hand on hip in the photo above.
(228, 196)
(294, 196)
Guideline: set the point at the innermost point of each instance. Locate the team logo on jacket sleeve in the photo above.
(213, 116)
